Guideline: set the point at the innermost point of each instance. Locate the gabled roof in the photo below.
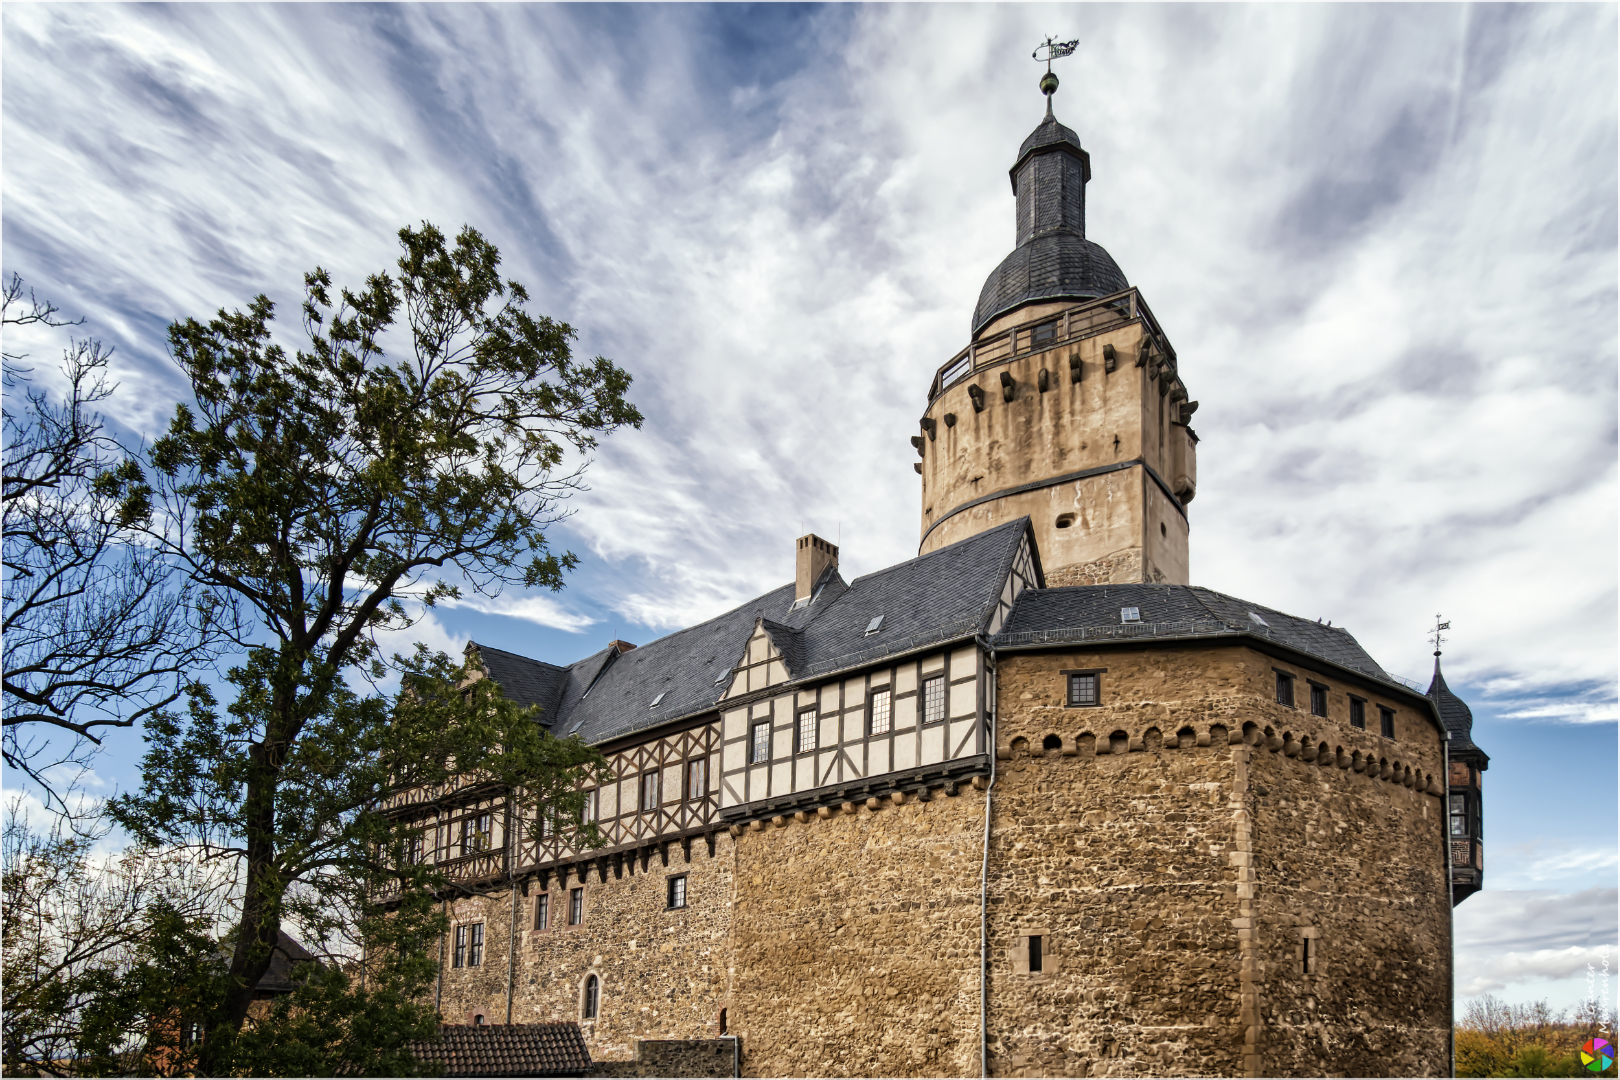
(1092, 613)
(526, 681)
(943, 595)
(507, 1050)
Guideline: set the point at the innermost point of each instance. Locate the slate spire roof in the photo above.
(1454, 711)
(1052, 259)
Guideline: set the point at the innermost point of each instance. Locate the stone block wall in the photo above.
(663, 972)
(674, 1057)
(855, 940)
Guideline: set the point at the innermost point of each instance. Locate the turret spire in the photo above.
(1054, 50)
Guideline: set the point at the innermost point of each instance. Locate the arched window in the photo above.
(593, 997)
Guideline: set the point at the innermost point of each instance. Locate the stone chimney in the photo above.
(812, 558)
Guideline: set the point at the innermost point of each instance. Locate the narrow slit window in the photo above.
(475, 945)
(1459, 815)
(1386, 722)
(1035, 954)
(761, 749)
(933, 699)
(1305, 956)
(459, 958)
(882, 711)
(805, 736)
(1358, 713)
(697, 778)
(415, 850)
(593, 998)
(1318, 700)
(1285, 689)
(587, 810)
(1082, 690)
(542, 911)
(576, 905)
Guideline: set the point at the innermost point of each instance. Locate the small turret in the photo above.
(1465, 822)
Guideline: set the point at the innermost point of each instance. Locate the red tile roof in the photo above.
(508, 1050)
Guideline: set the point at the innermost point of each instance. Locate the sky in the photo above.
(1382, 239)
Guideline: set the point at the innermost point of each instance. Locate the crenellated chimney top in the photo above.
(813, 556)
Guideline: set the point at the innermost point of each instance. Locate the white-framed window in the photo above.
(760, 748)
(469, 950)
(933, 699)
(576, 905)
(542, 911)
(677, 891)
(881, 709)
(649, 791)
(804, 737)
(475, 833)
(697, 778)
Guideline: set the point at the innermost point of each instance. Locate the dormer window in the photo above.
(1130, 614)
(874, 626)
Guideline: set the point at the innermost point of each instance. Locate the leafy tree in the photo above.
(1500, 1038)
(98, 632)
(319, 487)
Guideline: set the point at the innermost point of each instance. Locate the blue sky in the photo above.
(1382, 238)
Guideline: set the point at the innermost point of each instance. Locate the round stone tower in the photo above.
(1067, 404)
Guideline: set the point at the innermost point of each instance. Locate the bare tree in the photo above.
(98, 631)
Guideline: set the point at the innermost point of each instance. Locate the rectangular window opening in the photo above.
(1306, 955)
(1386, 722)
(649, 791)
(1044, 334)
(1459, 815)
(576, 905)
(1358, 713)
(804, 738)
(1318, 700)
(475, 945)
(882, 709)
(677, 891)
(1285, 689)
(1034, 954)
(697, 778)
(542, 911)
(1082, 690)
(761, 750)
(933, 699)
(459, 959)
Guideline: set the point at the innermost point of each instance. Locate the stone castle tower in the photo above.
(1067, 404)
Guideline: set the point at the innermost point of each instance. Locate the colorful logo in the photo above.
(1597, 1054)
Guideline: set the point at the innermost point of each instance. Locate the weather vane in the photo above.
(1052, 50)
(1435, 637)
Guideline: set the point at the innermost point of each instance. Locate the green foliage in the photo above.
(1498, 1038)
(315, 488)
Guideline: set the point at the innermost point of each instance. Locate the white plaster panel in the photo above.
(829, 731)
(805, 699)
(610, 801)
(877, 758)
(756, 678)
(736, 755)
(854, 690)
(756, 782)
(729, 795)
(757, 646)
(933, 744)
(672, 783)
(781, 778)
(714, 771)
(854, 767)
(735, 723)
(963, 663)
(804, 773)
(783, 708)
(761, 708)
(933, 663)
(829, 698)
(962, 699)
(824, 762)
(905, 753)
(778, 672)
(854, 726)
(961, 730)
(905, 679)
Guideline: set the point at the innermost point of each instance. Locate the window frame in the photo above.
(475, 945)
(1070, 675)
(925, 705)
(697, 779)
(813, 715)
(542, 913)
(649, 797)
(1358, 712)
(1457, 813)
(1285, 686)
(458, 954)
(886, 694)
(1386, 723)
(590, 1007)
(759, 753)
(576, 906)
(675, 883)
(1319, 693)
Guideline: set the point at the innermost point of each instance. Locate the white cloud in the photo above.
(1528, 942)
(540, 610)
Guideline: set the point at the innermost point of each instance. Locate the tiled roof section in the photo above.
(280, 977)
(1052, 266)
(525, 681)
(1454, 711)
(945, 594)
(1049, 133)
(507, 1050)
(1178, 610)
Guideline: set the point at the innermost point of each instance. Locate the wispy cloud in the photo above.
(1508, 938)
(529, 607)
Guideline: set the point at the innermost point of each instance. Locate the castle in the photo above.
(1027, 804)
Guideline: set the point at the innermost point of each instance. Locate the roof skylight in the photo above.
(1258, 619)
(657, 699)
(874, 626)
(1130, 614)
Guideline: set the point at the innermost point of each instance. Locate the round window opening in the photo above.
(1065, 520)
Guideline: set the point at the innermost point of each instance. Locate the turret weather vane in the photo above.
(1435, 637)
(1050, 50)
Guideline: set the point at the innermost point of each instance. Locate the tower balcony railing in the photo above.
(1085, 319)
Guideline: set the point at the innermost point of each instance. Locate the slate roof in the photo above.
(943, 595)
(507, 1050)
(526, 681)
(1454, 711)
(1092, 612)
(1049, 133)
(1052, 266)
